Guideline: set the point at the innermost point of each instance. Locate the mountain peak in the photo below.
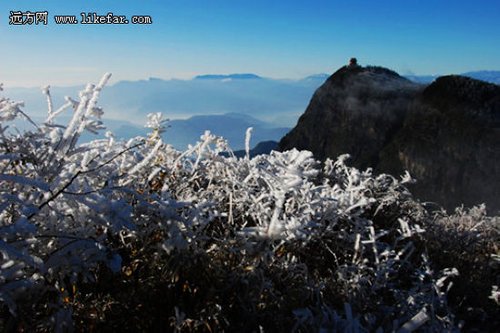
(347, 74)
(359, 97)
(445, 134)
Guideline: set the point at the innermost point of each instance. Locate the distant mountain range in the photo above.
(182, 132)
(272, 100)
(231, 126)
(228, 77)
(203, 103)
(487, 76)
(223, 104)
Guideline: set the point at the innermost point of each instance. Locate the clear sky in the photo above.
(279, 39)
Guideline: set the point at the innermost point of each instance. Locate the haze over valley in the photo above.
(223, 104)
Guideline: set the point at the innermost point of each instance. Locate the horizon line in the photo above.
(258, 76)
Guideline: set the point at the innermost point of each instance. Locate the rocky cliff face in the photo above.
(447, 134)
(450, 141)
(357, 110)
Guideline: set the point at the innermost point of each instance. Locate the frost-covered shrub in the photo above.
(468, 240)
(112, 234)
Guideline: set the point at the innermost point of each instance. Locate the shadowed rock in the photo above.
(446, 134)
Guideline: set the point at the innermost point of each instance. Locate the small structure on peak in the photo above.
(353, 62)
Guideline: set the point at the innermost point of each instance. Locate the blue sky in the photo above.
(279, 39)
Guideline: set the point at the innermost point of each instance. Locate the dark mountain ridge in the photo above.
(446, 134)
(357, 110)
(487, 76)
